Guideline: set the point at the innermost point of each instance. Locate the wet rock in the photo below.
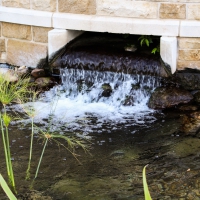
(105, 52)
(36, 73)
(163, 98)
(44, 82)
(107, 90)
(129, 101)
(188, 108)
(189, 80)
(190, 123)
(197, 97)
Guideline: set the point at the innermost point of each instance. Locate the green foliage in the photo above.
(145, 186)
(155, 50)
(6, 189)
(145, 39)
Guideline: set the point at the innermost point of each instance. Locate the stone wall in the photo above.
(21, 40)
(150, 9)
(189, 53)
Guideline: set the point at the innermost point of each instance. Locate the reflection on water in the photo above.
(114, 168)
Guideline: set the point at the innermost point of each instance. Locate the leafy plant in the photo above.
(145, 39)
(6, 189)
(145, 186)
(155, 50)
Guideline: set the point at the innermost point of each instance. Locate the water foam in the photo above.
(79, 99)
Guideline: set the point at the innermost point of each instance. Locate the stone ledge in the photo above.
(189, 28)
(26, 16)
(115, 24)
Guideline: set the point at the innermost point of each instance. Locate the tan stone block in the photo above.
(172, 11)
(0, 29)
(44, 5)
(181, 65)
(77, 6)
(189, 43)
(17, 31)
(2, 45)
(2, 57)
(127, 8)
(173, 1)
(189, 55)
(16, 3)
(40, 34)
(25, 53)
(194, 11)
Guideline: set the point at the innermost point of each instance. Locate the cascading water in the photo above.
(98, 99)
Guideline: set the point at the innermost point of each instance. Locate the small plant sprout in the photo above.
(145, 186)
(145, 39)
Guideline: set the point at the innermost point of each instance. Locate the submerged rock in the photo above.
(190, 123)
(163, 98)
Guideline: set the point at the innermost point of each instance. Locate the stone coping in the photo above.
(96, 23)
(26, 16)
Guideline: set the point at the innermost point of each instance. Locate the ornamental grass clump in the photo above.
(9, 93)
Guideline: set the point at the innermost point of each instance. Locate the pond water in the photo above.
(114, 168)
(120, 146)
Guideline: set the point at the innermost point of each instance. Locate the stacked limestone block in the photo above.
(31, 42)
(24, 43)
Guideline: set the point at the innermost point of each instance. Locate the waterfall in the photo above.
(87, 100)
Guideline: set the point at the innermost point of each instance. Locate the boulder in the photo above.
(163, 98)
(189, 80)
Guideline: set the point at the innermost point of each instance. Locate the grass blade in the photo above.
(145, 186)
(6, 189)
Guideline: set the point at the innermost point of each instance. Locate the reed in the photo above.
(31, 112)
(6, 189)
(145, 186)
(10, 92)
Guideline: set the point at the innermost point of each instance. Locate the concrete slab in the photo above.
(168, 51)
(189, 28)
(57, 38)
(115, 24)
(26, 16)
